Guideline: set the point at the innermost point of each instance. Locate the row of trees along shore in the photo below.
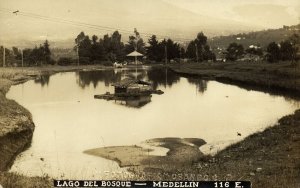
(110, 48)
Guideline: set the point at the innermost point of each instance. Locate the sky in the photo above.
(63, 19)
(267, 13)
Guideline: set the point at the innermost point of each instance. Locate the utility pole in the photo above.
(3, 56)
(196, 52)
(166, 54)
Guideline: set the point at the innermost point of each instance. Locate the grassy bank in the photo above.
(12, 180)
(277, 77)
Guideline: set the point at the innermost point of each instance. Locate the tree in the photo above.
(46, 52)
(117, 45)
(37, 55)
(27, 57)
(153, 50)
(156, 50)
(286, 50)
(16, 53)
(191, 50)
(135, 43)
(254, 51)
(199, 50)
(112, 46)
(84, 46)
(208, 54)
(234, 51)
(173, 49)
(182, 52)
(9, 57)
(273, 51)
(79, 39)
(97, 50)
(295, 41)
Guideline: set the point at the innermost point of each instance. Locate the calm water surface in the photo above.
(69, 120)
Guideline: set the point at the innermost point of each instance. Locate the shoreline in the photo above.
(130, 156)
(278, 78)
(258, 158)
(219, 164)
(16, 124)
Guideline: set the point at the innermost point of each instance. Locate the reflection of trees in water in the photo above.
(85, 78)
(294, 101)
(157, 76)
(165, 77)
(43, 80)
(200, 84)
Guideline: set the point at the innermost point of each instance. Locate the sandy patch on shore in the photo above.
(180, 150)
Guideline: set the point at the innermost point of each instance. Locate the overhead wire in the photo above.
(87, 25)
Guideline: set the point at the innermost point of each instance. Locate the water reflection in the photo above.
(162, 77)
(85, 78)
(201, 85)
(43, 80)
(137, 102)
(68, 123)
(158, 76)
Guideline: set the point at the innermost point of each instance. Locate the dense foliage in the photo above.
(234, 51)
(285, 51)
(110, 48)
(31, 57)
(199, 50)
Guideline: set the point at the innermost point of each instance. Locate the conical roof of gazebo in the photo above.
(135, 54)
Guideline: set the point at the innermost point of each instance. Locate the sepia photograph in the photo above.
(150, 93)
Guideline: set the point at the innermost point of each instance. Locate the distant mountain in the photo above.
(25, 43)
(160, 17)
(151, 17)
(261, 38)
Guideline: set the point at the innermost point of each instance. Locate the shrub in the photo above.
(107, 63)
(63, 61)
(84, 61)
(96, 62)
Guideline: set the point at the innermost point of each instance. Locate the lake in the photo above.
(69, 120)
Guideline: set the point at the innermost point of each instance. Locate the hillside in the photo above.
(262, 38)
